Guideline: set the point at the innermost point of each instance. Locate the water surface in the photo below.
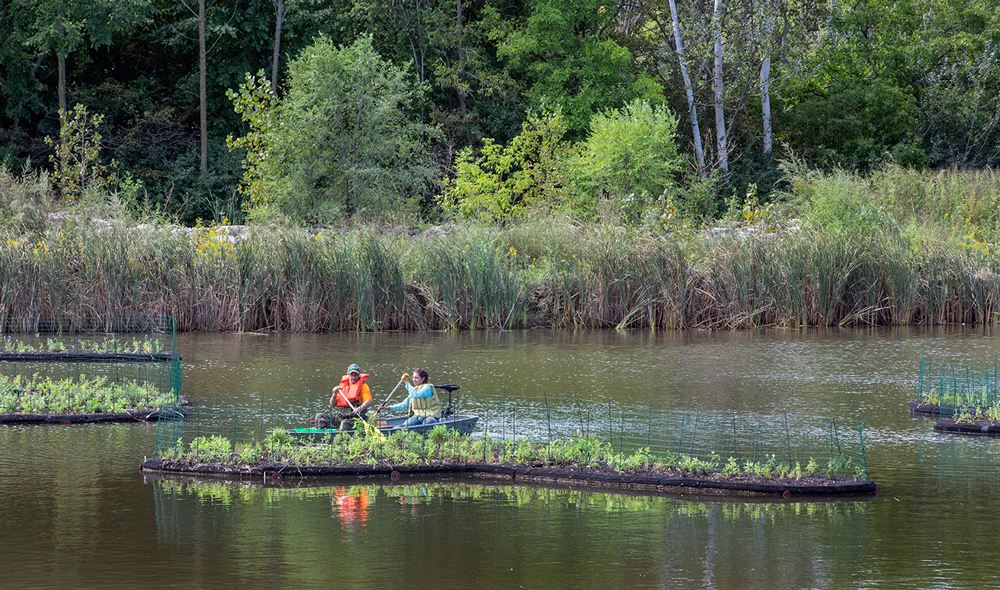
(75, 512)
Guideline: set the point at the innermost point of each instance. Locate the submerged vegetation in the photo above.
(443, 446)
(21, 395)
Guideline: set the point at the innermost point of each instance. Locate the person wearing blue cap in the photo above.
(351, 399)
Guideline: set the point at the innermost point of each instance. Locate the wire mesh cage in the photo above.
(833, 446)
(745, 442)
(141, 349)
(73, 325)
(957, 386)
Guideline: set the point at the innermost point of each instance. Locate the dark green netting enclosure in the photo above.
(744, 442)
(118, 349)
(958, 386)
(717, 438)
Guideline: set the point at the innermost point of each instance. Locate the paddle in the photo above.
(341, 393)
(368, 425)
(386, 400)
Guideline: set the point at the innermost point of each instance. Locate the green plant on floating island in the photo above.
(443, 446)
(959, 399)
(978, 413)
(20, 395)
(109, 344)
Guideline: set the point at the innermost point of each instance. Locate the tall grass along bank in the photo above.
(548, 275)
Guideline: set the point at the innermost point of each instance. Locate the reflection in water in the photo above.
(75, 513)
(351, 507)
(968, 463)
(564, 537)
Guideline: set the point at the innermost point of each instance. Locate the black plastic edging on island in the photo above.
(89, 357)
(925, 409)
(981, 428)
(143, 415)
(525, 474)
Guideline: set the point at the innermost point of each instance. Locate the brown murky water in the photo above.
(75, 512)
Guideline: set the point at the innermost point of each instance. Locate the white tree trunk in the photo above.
(202, 87)
(279, 19)
(461, 61)
(720, 116)
(765, 80)
(61, 65)
(765, 101)
(61, 90)
(699, 153)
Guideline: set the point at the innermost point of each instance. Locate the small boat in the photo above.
(450, 420)
(463, 424)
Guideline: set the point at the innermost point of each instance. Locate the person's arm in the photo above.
(366, 398)
(403, 405)
(333, 398)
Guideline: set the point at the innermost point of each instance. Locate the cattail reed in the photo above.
(547, 275)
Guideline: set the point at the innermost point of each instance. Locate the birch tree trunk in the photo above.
(61, 65)
(699, 153)
(765, 83)
(765, 101)
(61, 61)
(720, 116)
(461, 61)
(202, 87)
(279, 19)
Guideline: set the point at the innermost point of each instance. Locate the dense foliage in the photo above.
(21, 395)
(482, 108)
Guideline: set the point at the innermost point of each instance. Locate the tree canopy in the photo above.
(387, 109)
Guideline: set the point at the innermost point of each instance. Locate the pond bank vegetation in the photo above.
(520, 278)
(899, 248)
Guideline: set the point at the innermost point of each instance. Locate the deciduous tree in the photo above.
(65, 26)
(341, 141)
(563, 53)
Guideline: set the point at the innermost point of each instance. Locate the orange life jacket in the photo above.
(351, 392)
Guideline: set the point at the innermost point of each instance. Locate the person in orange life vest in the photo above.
(351, 399)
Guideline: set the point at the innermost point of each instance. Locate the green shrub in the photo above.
(630, 157)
